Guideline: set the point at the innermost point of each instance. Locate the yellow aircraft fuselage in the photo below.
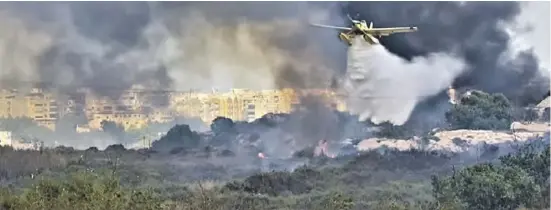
(358, 28)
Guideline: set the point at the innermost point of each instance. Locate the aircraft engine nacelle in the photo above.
(371, 39)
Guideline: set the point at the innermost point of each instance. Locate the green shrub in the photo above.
(481, 111)
(521, 180)
(83, 191)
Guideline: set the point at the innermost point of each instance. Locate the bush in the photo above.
(481, 111)
(274, 183)
(83, 191)
(387, 130)
(393, 180)
(115, 148)
(522, 180)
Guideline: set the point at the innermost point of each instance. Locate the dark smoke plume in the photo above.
(475, 31)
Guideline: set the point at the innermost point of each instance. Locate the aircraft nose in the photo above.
(413, 28)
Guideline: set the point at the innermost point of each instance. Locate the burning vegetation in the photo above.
(266, 164)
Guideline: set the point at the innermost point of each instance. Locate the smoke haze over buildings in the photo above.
(110, 46)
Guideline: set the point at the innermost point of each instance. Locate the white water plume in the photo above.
(383, 87)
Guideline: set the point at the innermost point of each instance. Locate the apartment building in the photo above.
(37, 105)
(241, 106)
(134, 109)
(129, 121)
(73, 104)
(186, 103)
(237, 104)
(161, 116)
(42, 108)
(12, 104)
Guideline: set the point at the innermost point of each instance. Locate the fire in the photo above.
(321, 149)
(261, 155)
(452, 95)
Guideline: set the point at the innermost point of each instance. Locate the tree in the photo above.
(482, 111)
(222, 125)
(224, 131)
(388, 130)
(177, 136)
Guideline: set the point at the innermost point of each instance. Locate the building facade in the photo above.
(135, 109)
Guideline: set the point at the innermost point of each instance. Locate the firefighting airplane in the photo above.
(370, 34)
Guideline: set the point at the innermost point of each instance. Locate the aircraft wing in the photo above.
(388, 31)
(333, 27)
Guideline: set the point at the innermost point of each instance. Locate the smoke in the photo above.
(110, 46)
(384, 87)
(20, 48)
(530, 31)
(475, 32)
(240, 56)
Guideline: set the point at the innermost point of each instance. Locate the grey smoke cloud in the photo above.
(531, 30)
(110, 46)
(20, 48)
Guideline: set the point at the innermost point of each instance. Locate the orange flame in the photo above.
(452, 95)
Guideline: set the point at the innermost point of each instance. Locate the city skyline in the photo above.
(135, 108)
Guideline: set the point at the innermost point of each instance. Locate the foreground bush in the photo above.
(82, 191)
(521, 180)
(15, 164)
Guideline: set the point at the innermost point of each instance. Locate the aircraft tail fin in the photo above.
(371, 24)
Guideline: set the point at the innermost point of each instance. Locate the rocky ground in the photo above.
(463, 140)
